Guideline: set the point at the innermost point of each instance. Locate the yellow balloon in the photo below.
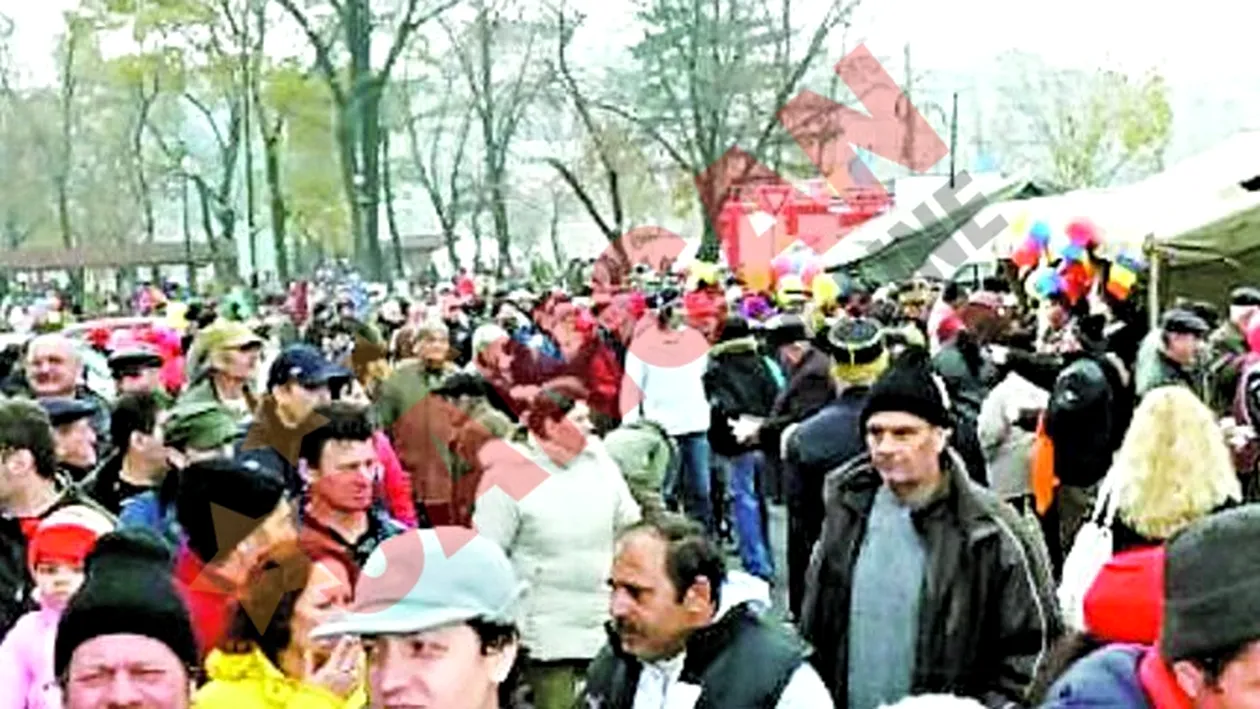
(177, 315)
(1019, 225)
(826, 292)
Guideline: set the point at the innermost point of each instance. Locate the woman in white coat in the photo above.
(555, 504)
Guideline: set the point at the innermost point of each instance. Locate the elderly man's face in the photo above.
(905, 450)
(53, 367)
(125, 670)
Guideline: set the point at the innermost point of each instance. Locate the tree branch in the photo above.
(407, 28)
(588, 203)
(652, 133)
(209, 116)
(835, 15)
(323, 58)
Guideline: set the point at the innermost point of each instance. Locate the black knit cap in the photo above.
(909, 386)
(1212, 585)
(129, 590)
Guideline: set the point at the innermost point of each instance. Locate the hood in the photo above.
(743, 588)
(737, 346)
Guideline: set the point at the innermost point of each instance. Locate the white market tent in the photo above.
(1197, 222)
(912, 212)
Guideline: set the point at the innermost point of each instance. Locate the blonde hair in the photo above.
(1173, 467)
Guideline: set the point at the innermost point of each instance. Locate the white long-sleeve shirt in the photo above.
(672, 396)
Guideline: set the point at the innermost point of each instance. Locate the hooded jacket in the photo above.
(738, 382)
(250, 681)
(739, 660)
(987, 615)
(1118, 677)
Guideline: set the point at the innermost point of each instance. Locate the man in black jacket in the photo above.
(683, 634)
(30, 490)
(808, 389)
(739, 382)
(923, 581)
(828, 439)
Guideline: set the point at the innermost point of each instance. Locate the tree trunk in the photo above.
(142, 180)
(370, 149)
(395, 236)
(275, 191)
(346, 151)
(557, 252)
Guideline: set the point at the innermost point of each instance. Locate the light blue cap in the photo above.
(426, 579)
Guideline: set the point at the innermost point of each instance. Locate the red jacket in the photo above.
(209, 603)
(395, 485)
(1126, 601)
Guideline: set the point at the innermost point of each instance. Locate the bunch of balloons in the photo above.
(1060, 260)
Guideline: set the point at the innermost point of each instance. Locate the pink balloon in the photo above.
(781, 264)
(810, 272)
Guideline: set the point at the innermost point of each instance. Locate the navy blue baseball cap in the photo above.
(307, 366)
(63, 410)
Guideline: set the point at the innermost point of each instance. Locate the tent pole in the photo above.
(1152, 288)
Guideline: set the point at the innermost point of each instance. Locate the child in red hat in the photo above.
(55, 554)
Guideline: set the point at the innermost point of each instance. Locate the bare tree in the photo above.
(499, 107)
(439, 165)
(357, 96)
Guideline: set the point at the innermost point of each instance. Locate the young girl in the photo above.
(55, 553)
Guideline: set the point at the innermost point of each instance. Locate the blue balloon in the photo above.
(1040, 232)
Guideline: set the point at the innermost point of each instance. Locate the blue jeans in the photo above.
(692, 480)
(754, 549)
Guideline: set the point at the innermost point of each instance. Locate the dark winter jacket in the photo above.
(738, 382)
(809, 388)
(741, 660)
(988, 615)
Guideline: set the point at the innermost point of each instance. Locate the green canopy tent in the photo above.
(894, 246)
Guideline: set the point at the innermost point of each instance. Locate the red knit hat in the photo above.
(67, 536)
(1126, 601)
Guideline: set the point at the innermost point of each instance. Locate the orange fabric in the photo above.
(1042, 473)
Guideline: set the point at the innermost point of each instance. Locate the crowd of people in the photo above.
(481, 496)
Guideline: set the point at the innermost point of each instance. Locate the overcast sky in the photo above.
(1212, 38)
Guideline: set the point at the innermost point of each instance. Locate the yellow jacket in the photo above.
(252, 682)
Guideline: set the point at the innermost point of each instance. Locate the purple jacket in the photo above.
(26, 663)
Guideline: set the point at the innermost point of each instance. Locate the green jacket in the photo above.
(644, 453)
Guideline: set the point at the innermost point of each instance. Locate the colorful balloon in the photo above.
(811, 271)
(1028, 254)
(1082, 233)
(1040, 232)
(826, 290)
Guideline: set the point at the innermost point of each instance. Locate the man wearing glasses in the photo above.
(339, 461)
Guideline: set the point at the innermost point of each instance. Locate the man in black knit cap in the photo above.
(126, 638)
(921, 581)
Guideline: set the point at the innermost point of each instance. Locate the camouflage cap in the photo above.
(202, 426)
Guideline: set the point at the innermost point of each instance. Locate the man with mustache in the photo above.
(684, 634)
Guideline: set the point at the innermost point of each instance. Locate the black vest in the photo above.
(739, 662)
